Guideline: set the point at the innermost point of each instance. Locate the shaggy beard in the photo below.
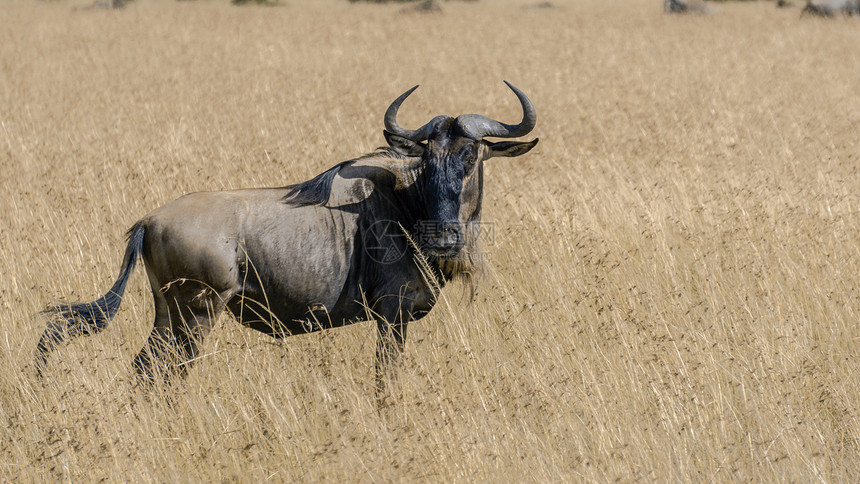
(464, 266)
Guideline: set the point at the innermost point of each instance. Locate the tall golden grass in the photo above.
(670, 293)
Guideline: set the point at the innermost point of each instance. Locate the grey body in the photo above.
(279, 267)
(343, 247)
(266, 271)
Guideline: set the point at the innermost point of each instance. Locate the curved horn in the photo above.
(391, 125)
(477, 126)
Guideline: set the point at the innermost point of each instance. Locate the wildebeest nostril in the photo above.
(452, 229)
(451, 235)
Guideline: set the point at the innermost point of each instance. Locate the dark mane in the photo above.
(317, 190)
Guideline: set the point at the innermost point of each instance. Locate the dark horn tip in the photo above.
(390, 120)
(410, 91)
(402, 97)
(513, 88)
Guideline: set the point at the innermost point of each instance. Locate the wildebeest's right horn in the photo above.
(391, 125)
(477, 126)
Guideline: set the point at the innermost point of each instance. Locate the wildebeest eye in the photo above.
(468, 155)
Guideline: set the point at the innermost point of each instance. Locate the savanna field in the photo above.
(670, 285)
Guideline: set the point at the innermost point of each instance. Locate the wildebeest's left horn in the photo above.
(477, 126)
(391, 125)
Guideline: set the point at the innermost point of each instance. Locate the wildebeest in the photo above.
(350, 243)
(831, 8)
(109, 4)
(426, 6)
(684, 6)
(538, 5)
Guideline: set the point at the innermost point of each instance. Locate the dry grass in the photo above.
(671, 292)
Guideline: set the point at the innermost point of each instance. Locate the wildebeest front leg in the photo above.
(393, 317)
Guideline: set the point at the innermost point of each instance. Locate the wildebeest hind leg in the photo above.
(183, 317)
(160, 340)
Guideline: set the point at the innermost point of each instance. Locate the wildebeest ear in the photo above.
(403, 145)
(507, 148)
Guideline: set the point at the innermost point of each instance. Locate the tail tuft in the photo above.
(69, 320)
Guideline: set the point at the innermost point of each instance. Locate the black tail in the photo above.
(70, 320)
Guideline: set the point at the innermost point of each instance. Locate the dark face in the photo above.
(451, 182)
(452, 186)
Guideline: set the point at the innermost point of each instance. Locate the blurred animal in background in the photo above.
(425, 6)
(686, 6)
(538, 5)
(831, 8)
(104, 5)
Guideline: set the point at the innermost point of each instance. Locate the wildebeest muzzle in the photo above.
(443, 239)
